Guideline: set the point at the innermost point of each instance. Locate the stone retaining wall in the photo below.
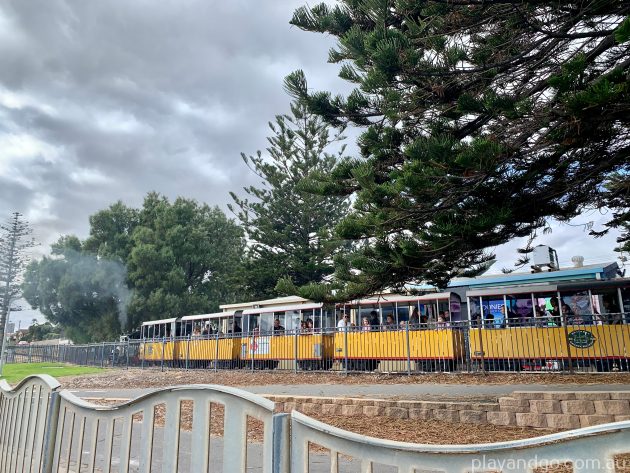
(555, 410)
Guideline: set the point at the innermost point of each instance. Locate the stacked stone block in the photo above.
(553, 410)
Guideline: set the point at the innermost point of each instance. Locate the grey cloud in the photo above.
(129, 97)
(110, 100)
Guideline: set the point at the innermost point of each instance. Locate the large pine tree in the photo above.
(482, 119)
(287, 226)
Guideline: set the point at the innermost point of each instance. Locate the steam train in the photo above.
(547, 323)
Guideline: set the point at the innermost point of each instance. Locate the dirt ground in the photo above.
(137, 378)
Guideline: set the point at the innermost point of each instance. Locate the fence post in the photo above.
(103, 354)
(345, 347)
(187, 350)
(295, 350)
(144, 353)
(163, 345)
(216, 354)
(50, 433)
(481, 352)
(127, 353)
(30, 348)
(281, 444)
(408, 349)
(566, 337)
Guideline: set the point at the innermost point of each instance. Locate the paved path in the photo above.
(405, 391)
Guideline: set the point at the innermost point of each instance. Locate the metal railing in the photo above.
(44, 430)
(530, 345)
(588, 450)
(26, 420)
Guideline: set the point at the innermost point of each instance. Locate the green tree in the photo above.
(85, 294)
(15, 240)
(482, 119)
(162, 260)
(288, 228)
(186, 258)
(38, 332)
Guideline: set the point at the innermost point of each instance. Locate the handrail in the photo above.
(623, 426)
(44, 379)
(245, 395)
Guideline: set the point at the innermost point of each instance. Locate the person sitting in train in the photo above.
(510, 318)
(540, 316)
(277, 328)
(310, 325)
(374, 322)
(424, 321)
(366, 326)
(196, 331)
(414, 320)
(403, 325)
(489, 320)
(303, 326)
(236, 328)
(475, 319)
(344, 323)
(390, 324)
(442, 323)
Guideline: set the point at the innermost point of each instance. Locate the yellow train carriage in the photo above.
(429, 349)
(311, 350)
(551, 348)
(376, 335)
(551, 326)
(158, 344)
(279, 335)
(210, 340)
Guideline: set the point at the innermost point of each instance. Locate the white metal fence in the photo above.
(46, 430)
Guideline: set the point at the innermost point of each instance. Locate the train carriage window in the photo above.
(625, 301)
(456, 308)
(547, 314)
(520, 310)
(250, 322)
(493, 311)
(576, 307)
(605, 302)
(474, 305)
(402, 312)
(266, 321)
(443, 305)
(329, 319)
(386, 309)
(368, 311)
(291, 320)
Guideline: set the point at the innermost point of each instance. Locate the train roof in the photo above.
(279, 301)
(214, 315)
(156, 322)
(386, 298)
(591, 272)
(285, 308)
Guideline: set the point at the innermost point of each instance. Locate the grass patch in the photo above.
(16, 372)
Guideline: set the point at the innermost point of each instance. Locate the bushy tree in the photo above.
(84, 294)
(186, 259)
(482, 119)
(287, 226)
(162, 260)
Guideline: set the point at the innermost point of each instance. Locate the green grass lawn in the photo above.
(15, 372)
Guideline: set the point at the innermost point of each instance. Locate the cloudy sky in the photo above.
(101, 101)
